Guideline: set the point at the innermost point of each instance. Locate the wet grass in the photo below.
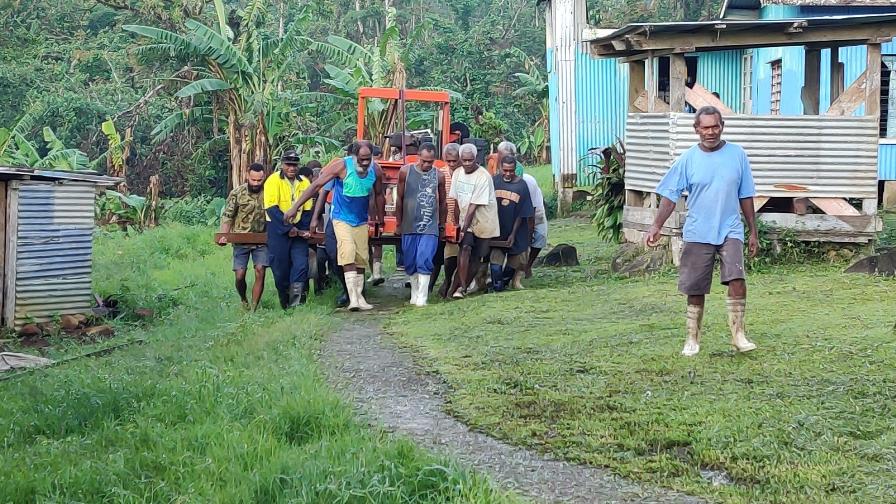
(217, 406)
(587, 366)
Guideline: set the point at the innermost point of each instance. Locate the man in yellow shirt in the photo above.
(287, 241)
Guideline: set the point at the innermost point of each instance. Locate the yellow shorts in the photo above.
(451, 250)
(351, 244)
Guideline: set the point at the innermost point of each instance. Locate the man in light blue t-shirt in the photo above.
(716, 176)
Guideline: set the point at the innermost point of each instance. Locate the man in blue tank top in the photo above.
(716, 175)
(355, 179)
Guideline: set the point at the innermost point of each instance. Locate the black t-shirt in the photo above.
(514, 202)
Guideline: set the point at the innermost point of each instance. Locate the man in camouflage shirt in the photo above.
(244, 213)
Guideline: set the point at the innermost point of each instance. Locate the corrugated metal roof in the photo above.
(624, 41)
(829, 156)
(53, 250)
(11, 173)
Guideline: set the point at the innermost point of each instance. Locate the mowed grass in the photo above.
(217, 406)
(544, 176)
(587, 367)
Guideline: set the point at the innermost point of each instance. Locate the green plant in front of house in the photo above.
(609, 193)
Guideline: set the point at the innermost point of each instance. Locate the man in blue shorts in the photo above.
(420, 213)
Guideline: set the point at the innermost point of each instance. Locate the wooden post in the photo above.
(678, 76)
(635, 84)
(889, 202)
(872, 82)
(836, 74)
(811, 81)
(650, 82)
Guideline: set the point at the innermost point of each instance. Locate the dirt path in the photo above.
(385, 384)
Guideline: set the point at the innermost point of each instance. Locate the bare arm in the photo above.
(380, 198)
(318, 208)
(334, 169)
(667, 206)
(749, 210)
(399, 200)
(443, 201)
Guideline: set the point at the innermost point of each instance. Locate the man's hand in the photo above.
(315, 222)
(653, 236)
(293, 232)
(290, 215)
(753, 244)
(222, 240)
(304, 234)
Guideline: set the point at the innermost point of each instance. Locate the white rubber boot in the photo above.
(376, 273)
(695, 320)
(350, 277)
(422, 289)
(359, 293)
(414, 280)
(736, 310)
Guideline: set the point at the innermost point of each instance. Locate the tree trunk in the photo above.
(261, 147)
(235, 135)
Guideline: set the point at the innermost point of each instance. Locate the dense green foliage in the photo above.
(76, 60)
(217, 406)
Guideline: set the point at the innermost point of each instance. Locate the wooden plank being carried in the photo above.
(698, 96)
(849, 100)
(243, 238)
(835, 206)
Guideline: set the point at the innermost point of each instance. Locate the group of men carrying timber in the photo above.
(502, 218)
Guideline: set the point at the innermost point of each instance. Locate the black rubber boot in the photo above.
(497, 278)
(284, 298)
(296, 294)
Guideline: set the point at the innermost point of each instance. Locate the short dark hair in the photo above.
(314, 164)
(256, 167)
(708, 110)
(306, 172)
(362, 144)
(428, 147)
(508, 160)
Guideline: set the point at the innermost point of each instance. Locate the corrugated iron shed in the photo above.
(47, 257)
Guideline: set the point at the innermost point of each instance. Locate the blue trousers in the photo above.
(418, 251)
(289, 256)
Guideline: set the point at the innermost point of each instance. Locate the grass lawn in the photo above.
(544, 176)
(217, 406)
(587, 366)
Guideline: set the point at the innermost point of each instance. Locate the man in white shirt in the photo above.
(474, 191)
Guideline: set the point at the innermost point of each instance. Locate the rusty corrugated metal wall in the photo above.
(53, 249)
(829, 156)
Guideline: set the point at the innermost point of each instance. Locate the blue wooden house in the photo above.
(589, 95)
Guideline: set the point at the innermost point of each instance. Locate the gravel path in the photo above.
(385, 384)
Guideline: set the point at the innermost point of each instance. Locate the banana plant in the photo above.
(239, 80)
(16, 149)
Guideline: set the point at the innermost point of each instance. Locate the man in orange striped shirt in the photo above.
(448, 251)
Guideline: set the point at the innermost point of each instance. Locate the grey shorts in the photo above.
(698, 261)
(241, 255)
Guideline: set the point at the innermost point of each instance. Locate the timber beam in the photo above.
(733, 37)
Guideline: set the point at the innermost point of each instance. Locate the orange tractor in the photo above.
(441, 136)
